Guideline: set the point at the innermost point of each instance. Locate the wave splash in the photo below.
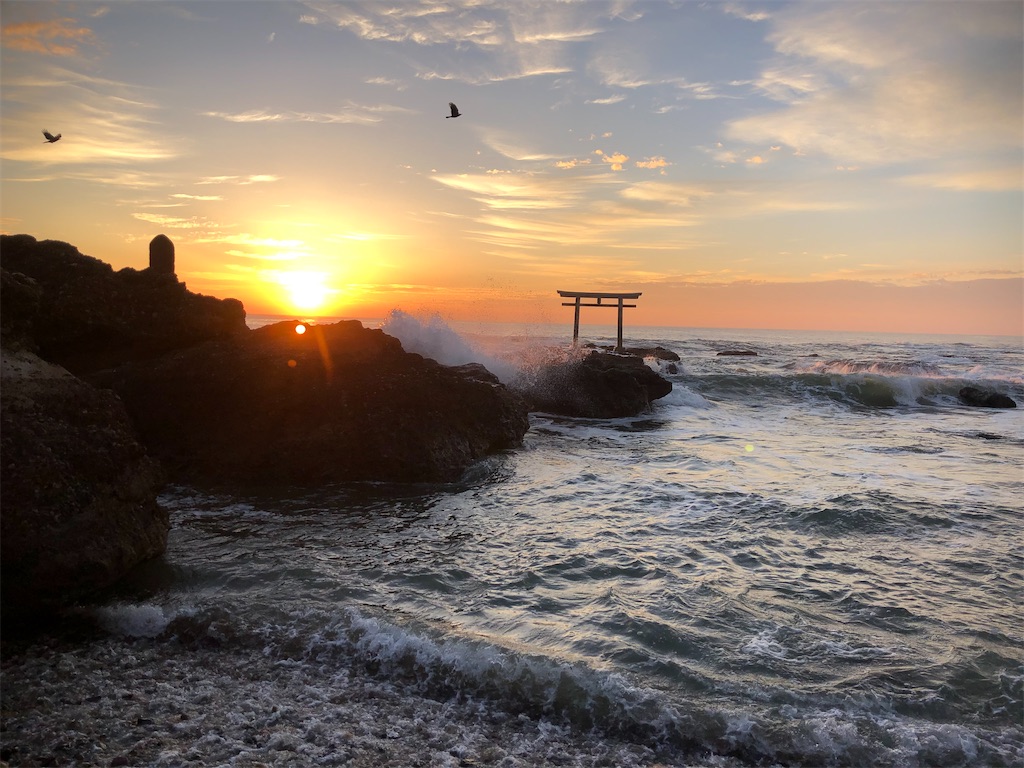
(515, 363)
(435, 339)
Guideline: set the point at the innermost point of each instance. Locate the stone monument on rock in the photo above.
(161, 255)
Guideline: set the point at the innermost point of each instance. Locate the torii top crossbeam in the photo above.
(598, 298)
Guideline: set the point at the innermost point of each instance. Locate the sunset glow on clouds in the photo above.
(844, 165)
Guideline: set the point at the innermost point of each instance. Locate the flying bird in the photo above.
(455, 112)
(50, 138)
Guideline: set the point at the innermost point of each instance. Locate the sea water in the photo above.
(806, 556)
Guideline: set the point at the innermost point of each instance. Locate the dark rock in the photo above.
(737, 353)
(79, 493)
(339, 402)
(980, 398)
(597, 386)
(658, 353)
(89, 317)
(20, 297)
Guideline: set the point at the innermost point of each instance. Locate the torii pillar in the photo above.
(598, 298)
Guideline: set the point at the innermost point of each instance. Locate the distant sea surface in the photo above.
(810, 556)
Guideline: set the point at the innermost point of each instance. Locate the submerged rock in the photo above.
(658, 353)
(981, 398)
(737, 353)
(79, 492)
(597, 386)
(338, 402)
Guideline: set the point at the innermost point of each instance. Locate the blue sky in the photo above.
(723, 158)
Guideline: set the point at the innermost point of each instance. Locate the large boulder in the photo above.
(79, 493)
(338, 402)
(88, 316)
(599, 385)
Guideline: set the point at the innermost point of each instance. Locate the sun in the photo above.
(306, 291)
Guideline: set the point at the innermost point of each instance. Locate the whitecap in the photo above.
(128, 620)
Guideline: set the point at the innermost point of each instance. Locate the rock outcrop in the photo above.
(79, 492)
(600, 385)
(104, 372)
(981, 398)
(88, 317)
(338, 402)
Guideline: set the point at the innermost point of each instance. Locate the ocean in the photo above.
(809, 556)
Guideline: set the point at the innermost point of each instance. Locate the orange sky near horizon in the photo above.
(783, 165)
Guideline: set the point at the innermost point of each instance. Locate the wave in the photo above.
(885, 368)
(434, 338)
(684, 724)
(862, 388)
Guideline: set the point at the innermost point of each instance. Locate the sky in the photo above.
(847, 166)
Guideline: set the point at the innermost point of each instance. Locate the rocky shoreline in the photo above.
(141, 702)
(115, 382)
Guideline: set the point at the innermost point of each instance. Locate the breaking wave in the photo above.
(797, 729)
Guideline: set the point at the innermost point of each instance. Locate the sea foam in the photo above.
(132, 620)
(435, 339)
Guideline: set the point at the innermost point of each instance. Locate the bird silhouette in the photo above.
(455, 111)
(50, 138)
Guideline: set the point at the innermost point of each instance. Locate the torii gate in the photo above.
(598, 298)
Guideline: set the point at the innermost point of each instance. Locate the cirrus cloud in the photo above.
(56, 37)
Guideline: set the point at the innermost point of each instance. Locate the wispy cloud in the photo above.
(512, 191)
(388, 82)
(978, 180)
(567, 211)
(364, 237)
(55, 37)
(251, 241)
(608, 99)
(102, 120)
(173, 222)
(203, 198)
(513, 147)
(495, 75)
(892, 82)
(259, 178)
(424, 22)
(352, 113)
(518, 40)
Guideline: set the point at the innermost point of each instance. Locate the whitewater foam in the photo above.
(432, 337)
(129, 620)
